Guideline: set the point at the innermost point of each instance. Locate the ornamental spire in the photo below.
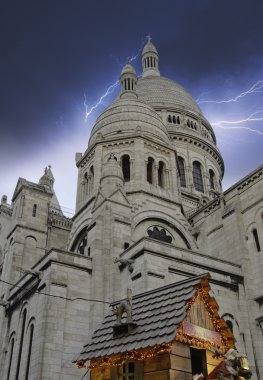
(150, 59)
(128, 81)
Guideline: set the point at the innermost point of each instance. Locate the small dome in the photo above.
(128, 69)
(149, 47)
(128, 81)
(126, 118)
(150, 60)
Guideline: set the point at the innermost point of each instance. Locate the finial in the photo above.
(128, 60)
(49, 166)
(149, 38)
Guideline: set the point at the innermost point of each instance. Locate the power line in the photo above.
(84, 374)
(54, 295)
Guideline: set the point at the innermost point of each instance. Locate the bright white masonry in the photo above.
(149, 193)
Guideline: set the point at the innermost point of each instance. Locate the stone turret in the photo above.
(150, 60)
(128, 81)
(47, 178)
(112, 176)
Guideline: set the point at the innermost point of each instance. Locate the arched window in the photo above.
(182, 172)
(174, 119)
(126, 167)
(169, 119)
(212, 179)
(197, 177)
(82, 247)
(85, 184)
(34, 211)
(159, 233)
(178, 120)
(150, 170)
(92, 171)
(30, 251)
(229, 324)
(256, 239)
(10, 357)
(80, 244)
(161, 174)
(22, 334)
(91, 179)
(188, 123)
(29, 351)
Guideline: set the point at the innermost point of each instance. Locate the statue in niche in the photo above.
(159, 234)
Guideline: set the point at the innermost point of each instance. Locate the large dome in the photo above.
(159, 91)
(126, 117)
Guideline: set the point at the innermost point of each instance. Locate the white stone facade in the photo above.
(149, 211)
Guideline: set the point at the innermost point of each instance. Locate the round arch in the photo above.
(161, 217)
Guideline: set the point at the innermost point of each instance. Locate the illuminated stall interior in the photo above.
(175, 332)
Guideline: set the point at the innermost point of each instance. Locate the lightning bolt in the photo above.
(133, 58)
(202, 94)
(110, 89)
(253, 89)
(250, 118)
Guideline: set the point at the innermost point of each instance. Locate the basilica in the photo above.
(150, 212)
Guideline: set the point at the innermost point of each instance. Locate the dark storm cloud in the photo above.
(219, 37)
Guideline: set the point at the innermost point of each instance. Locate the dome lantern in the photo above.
(128, 81)
(150, 60)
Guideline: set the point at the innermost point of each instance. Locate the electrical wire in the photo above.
(54, 295)
(84, 374)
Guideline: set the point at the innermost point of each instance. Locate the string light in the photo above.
(181, 336)
(119, 360)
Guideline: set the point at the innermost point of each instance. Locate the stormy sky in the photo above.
(55, 52)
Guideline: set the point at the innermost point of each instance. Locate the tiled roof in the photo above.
(157, 314)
